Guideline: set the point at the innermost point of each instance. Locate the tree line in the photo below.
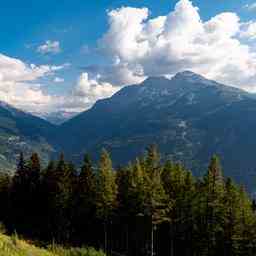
(148, 207)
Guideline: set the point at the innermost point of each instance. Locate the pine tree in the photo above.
(49, 190)
(84, 199)
(137, 189)
(59, 183)
(33, 172)
(87, 181)
(35, 209)
(247, 239)
(155, 198)
(213, 208)
(66, 179)
(18, 196)
(25, 195)
(231, 222)
(152, 159)
(179, 185)
(21, 165)
(106, 198)
(124, 197)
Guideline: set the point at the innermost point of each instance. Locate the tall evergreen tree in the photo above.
(155, 198)
(146, 207)
(213, 207)
(231, 222)
(25, 195)
(106, 197)
(84, 199)
(247, 221)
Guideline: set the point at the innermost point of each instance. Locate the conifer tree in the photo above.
(66, 178)
(87, 182)
(155, 198)
(231, 221)
(106, 198)
(137, 189)
(124, 196)
(84, 198)
(25, 194)
(18, 195)
(213, 194)
(21, 165)
(33, 172)
(49, 190)
(59, 181)
(190, 216)
(180, 189)
(247, 239)
(35, 209)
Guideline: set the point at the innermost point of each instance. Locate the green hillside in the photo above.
(11, 246)
(20, 131)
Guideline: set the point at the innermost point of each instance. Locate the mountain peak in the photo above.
(192, 77)
(183, 75)
(189, 74)
(152, 79)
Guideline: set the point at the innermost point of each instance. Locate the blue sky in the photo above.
(77, 26)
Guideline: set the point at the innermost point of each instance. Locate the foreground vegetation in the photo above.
(12, 246)
(149, 207)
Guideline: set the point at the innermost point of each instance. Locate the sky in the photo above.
(65, 55)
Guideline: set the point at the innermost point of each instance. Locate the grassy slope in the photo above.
(11, 246)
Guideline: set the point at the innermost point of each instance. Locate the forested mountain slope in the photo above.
(188, 116)
(20, 131)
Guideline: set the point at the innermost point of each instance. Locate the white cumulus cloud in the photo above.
(19, 84)
(138, 46)
(87, 91)
(248, 30)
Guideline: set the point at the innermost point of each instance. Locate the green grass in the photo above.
(60, 251)
(12, 246)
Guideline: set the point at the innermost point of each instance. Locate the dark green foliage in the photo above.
(5, 183)
(148, 207)
(84, 208)
(106, 197)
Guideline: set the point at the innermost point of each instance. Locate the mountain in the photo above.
(58, 117)
(20, 131)
(189, 117)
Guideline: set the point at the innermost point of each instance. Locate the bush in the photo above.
(61, 251)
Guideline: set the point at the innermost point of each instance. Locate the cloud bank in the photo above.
(86, 92)
(138, 46)
(19, 84)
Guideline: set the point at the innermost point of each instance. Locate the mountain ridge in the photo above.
(188, 116)
(182, 115)
(21, 131)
